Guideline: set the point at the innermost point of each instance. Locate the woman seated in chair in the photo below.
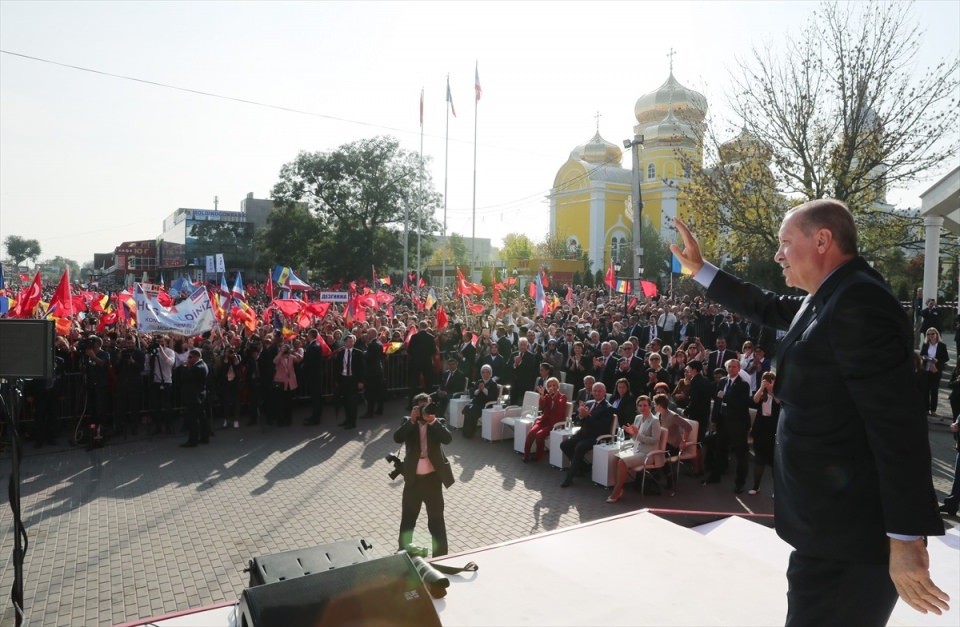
(553, 410)
(622, 401)
(645, 432)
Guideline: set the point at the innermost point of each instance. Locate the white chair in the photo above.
(531, 404)
(653, 460)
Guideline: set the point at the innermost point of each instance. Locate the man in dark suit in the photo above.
(349, 371)
(607, 366)
(467, 355)
(732, 424)
(374, 384)
(596, 419)
(721, 356)
(312, 369)
(420, 351)
(451, 382)
(485, 390)
(853, 481)
(585, 393)
(523, 367)
(425, 473)
(632, 368)
(194, 398)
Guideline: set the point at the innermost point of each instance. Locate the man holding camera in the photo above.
(425, 473)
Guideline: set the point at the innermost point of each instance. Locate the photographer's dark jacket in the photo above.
(437, 434)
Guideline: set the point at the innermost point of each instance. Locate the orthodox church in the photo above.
(590, 201)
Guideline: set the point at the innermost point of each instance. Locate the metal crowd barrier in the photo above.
(69, 397)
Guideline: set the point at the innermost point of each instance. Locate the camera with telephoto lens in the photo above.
(397, 466)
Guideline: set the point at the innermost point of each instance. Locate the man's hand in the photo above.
(689, 257)
(910, 572)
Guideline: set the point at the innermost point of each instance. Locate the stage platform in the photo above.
(633, 569)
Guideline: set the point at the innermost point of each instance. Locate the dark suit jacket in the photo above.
(523, 376)
(373, 360)
(735, 405)
(853, 455)
(479, 399)
(701, 391)
(437, 433)
(942, 356)
(712, 362)
(452, 383)
(598, 422)
(195, 384)
(422, 347)
(607, 375)
(356, 363)
(497, 364)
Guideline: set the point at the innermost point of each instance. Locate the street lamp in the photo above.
(634, 146)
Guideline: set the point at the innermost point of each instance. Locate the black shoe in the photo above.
(188, 445)
(738, 489)
(567, 483)
(946, 509)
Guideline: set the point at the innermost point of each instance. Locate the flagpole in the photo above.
(420, 213)
(476, 108)
(446, 163)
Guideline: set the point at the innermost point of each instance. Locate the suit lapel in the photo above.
(800, 322)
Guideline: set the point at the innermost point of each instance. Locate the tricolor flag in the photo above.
(431, 300)
(450, 99)
(238, 291)
(679, 269)
(476, 81)
(540, 297)
(622, 286)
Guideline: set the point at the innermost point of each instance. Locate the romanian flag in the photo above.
(385, 280)
(283, 276)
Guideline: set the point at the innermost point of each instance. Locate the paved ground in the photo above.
(142, 528)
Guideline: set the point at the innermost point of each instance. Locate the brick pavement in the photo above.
(143, 527)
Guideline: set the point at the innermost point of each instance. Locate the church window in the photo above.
(651, 172)
(618, 247)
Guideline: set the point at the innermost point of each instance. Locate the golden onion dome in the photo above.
(688, 105)
(668, 131)
(598, 151)
(742, 147)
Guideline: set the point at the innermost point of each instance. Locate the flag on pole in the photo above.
(541, 298)
(611, 277)
(61, 305)
(238, 291)
(269, 287)
(421, 107)
(450, 99)
(476, 81)
(442, 319)
(649, 288)
(622, 286)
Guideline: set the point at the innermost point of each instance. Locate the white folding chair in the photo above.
(689, 449)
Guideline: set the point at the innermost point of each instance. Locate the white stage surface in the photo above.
(633, 569)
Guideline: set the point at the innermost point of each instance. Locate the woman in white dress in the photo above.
(645, 432)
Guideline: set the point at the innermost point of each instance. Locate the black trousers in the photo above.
(162, 406)
(418, 491)
(827, 592)
(576, 450)
(198, 424)
(931, 392)
(350, 398)
(731, 438)
(373, 390)
(471, 415)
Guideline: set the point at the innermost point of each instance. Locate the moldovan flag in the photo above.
(679, 269)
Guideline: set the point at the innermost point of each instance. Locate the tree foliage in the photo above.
(358, 195)
(840, 111)
(58, 264)
(19, 249)
(517, 246)
(289, 239)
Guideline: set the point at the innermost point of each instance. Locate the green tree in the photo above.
(19, 249)
(577, 278)
(458, 249)
(486, 277)
(289, 238)
(232, 239)
(58, 264)
(516, 246)
(359, 194)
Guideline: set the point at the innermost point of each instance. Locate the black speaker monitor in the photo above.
(379, 593)
(26, 348)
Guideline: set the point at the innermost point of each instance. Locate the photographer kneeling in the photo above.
(425, 472)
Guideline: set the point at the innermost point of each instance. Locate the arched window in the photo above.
(618, 248)
(651, 172)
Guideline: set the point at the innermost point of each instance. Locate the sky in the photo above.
(88, 161)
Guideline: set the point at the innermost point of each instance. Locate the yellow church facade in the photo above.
(590, 201)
